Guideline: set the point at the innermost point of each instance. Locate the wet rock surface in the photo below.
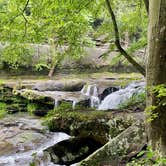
(20, 134)
(54, 98)
(23, 139)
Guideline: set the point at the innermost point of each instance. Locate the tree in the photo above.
(156, 73)
(61, 24)
(67, 24)
(117, 41)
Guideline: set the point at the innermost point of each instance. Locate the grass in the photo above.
(31, 107)
(3, 109)
(136, 99)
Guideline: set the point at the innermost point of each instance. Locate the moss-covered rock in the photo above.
(14, 103)
(119, 124)
(119, 149)
(96, 129)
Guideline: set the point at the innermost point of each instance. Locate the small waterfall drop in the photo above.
(56, 103)
(74, 104)
(92, 92)
(113, 100)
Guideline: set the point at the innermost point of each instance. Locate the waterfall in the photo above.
(74, 104)
(56, 103)
(113, 100)
(92, 92)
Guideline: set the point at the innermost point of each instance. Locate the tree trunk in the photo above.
(51, 72)
(117, 41)
(156, 72)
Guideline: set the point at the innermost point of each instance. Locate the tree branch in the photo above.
(117, 41)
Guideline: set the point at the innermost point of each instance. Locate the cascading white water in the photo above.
(113, 100)
(92, 92)
(36, 155)
(56, 103)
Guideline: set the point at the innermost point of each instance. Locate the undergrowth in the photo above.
(136, 99)
(2, 109)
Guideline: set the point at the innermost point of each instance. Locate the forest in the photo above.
(82, 82)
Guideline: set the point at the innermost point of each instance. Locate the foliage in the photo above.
(160, 92)
(31, 107)
(134, 100)
(148, 157)
(16, 55)
(2, 109)
(67, 26)
(61, 24)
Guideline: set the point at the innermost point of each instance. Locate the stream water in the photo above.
(113, 100)
(22, 142)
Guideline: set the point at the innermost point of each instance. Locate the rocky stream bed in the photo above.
(79, 136)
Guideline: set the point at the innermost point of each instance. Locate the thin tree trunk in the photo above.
(156, 72)
(117, 41)
(51, 72)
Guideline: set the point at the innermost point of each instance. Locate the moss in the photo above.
(30, 95)
(2, 109)
(65, 110)
(31, 107)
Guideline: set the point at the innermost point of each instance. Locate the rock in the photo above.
(98, 130)
(51, 85)
(119, 149)
(19, 134)
(107, 91)
(72, 151)
(40, 112)
(54, 98)
(118, 124)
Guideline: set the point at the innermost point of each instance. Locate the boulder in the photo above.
(120, 149)
(54, 98)
(72, 150)
(97, 129)
(51, 85)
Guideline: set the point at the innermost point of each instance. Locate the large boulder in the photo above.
(97, 129)
(67, 85)
(121, 148)
(72, 150)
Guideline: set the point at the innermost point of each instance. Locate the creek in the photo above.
(23, 138)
